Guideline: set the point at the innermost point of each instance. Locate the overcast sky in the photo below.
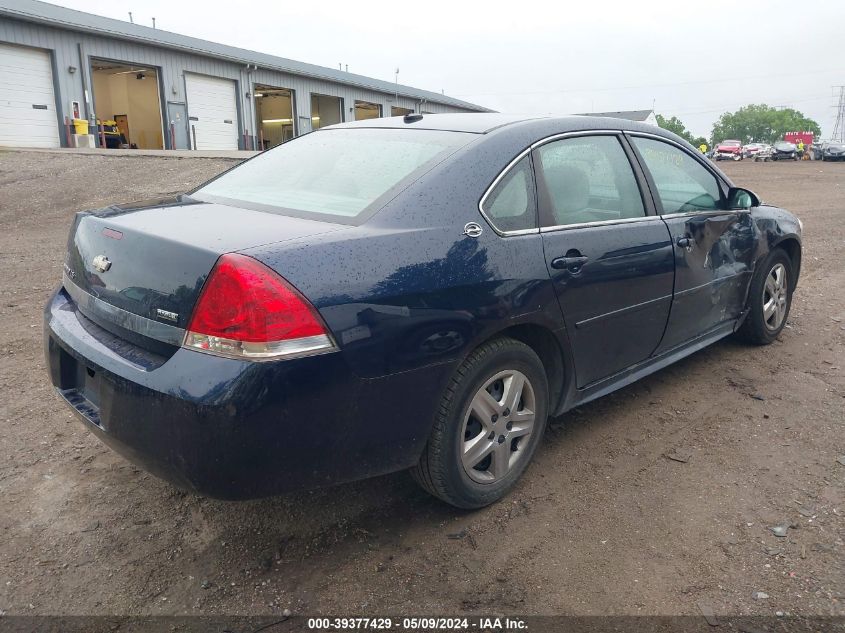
(692, 59)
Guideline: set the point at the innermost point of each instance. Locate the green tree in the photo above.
(761, 123)
(674, 124)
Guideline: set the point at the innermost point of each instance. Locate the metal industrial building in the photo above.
(170, 91)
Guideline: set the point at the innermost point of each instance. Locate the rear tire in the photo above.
(769, 299)
(491, 418)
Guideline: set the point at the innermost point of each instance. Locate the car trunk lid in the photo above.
(138, 269)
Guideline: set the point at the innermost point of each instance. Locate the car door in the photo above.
(714, 246)
(609, 256)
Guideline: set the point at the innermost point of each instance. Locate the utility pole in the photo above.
(839, 126)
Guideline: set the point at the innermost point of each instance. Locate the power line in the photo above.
(744, 103)
(663, 85)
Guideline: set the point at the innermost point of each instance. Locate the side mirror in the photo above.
(739, 198)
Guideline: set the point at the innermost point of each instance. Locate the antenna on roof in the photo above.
(130, 18)
(154, 22)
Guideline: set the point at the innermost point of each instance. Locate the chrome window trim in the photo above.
(658, 137)
(583, 225)
(705, 213)
(696, 157)
(576, 133)
(520, 156)
(704, 164)
(604, 132)
(88, 303)
(490, 189)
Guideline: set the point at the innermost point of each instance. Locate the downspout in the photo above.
(84, 70)
(249, 108)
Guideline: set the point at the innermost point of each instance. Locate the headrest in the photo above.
(569, 187)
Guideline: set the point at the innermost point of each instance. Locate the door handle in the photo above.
(572, 264)
(685, 242)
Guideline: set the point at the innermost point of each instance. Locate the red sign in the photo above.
(794, 137)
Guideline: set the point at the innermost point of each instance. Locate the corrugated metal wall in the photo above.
(71, 49)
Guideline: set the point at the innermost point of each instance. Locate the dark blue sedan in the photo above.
(407, 293)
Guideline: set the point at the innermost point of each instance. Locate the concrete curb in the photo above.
(138, 153)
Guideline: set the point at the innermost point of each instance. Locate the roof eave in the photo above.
(359, 81)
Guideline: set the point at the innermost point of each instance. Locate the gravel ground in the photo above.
(603, 521)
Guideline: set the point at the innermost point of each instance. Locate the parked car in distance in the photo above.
(763, 154)
(728, 150)
(829, 150)
(751, 149)
(418, 292)
(783, 150)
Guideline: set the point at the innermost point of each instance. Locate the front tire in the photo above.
(770, 297)
(491, 418)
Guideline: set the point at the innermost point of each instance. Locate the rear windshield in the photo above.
(337, 175)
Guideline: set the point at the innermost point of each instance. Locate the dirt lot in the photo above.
(603, 522)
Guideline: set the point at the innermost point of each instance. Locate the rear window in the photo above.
(337, 175)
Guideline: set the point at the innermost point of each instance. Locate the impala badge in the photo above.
(101, 263)
(167, 314)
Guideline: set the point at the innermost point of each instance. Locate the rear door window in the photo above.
(587, 179)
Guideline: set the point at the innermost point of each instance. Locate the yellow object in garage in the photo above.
(80, 126)
(112, 136)
(109, 127)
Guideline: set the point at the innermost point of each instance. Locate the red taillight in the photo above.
(245, 310)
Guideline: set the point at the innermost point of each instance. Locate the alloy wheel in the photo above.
(497, 424)
(775, 296)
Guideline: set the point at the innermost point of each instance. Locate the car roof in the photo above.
(483, 123)
(452, 122)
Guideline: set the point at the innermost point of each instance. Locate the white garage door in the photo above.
(212, 112)
(27, 102)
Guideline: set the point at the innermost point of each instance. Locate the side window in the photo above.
(588, 179)
(683, 184)
(510, 206)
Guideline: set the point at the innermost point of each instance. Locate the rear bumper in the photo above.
(233, 429)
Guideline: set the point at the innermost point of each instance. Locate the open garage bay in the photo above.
(654, 500)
